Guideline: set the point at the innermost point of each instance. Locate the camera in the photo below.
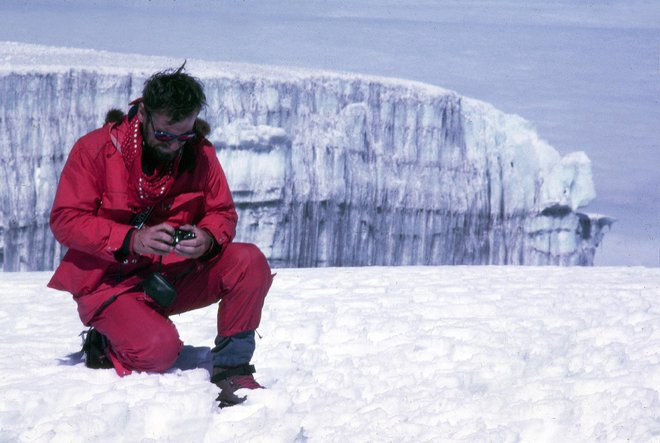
(181, 234)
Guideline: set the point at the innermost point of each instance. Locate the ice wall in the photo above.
(327, 169)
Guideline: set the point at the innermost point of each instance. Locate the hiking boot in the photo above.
(94, 347)
(230, 380)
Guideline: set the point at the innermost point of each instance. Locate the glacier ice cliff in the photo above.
(326, 169)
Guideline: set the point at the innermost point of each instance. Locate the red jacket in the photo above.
(90, 214)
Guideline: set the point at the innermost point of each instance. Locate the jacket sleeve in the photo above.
(219, 211)
(73, 218)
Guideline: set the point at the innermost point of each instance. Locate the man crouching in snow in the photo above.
(144, 207)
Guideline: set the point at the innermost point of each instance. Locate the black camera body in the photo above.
(181, 234)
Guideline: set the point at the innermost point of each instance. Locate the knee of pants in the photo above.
(253, 262)
(241, 304)
(155, 352)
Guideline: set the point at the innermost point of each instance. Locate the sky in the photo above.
(410, 354)
(586, 74)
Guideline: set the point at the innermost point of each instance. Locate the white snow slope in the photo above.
(460, 354)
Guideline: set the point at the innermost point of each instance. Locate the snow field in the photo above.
(460, 354)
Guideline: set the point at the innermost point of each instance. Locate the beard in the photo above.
(154, 157)
(159, 156)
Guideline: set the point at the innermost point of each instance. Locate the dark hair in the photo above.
(173, 93)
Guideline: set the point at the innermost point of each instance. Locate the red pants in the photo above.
(141, 336)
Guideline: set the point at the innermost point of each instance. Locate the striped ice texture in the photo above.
(326, 168)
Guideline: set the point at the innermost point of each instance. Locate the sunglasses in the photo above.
(164, 136)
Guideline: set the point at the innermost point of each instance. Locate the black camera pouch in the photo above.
(159, 289)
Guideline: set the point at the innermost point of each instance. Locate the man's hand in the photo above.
(153, 240)
(195, 247)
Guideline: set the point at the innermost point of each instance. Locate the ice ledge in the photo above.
(22, 58)
(327, 169)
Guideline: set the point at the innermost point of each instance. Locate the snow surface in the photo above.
(460, 354)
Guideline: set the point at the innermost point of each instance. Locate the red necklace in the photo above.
(145, 190)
